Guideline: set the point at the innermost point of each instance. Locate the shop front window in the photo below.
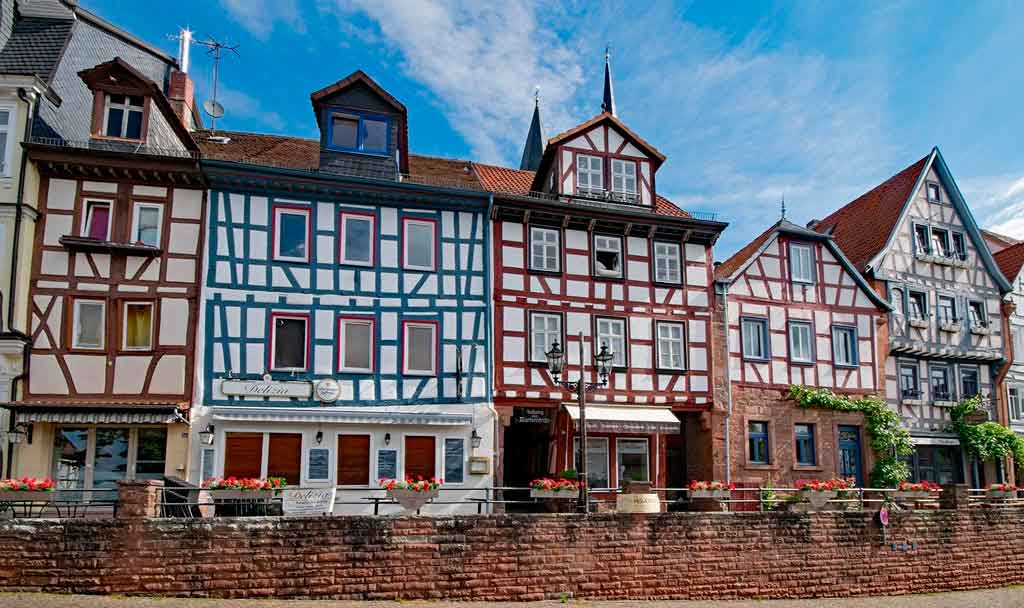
(70, 449)
(632, 460)
(97, 457)
(597, 461)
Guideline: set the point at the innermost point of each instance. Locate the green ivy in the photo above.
(985, 440)
(889, 440)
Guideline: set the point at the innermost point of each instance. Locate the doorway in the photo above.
(850, 463)
(526, 451)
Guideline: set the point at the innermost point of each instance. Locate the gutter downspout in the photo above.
(724, 292)
(30, 116)
(489, 337)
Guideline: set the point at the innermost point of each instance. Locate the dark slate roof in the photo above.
(35, 47)
(534, 148)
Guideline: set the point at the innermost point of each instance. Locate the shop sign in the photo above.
(638, 503)
(308, 501)
(267, 388)
(328, 390)
(532, 415)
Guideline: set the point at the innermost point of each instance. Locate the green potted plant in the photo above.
(817, 494)
(1001, 491)
(710, 489)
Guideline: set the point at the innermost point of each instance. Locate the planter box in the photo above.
(258, 495)
(980, 331)
(951, 327)
(913, 495)
(919, 323)
(411, 500)
(1000, 494)
(564, 494)
(25, 496)
(818, 500)
(718, 494)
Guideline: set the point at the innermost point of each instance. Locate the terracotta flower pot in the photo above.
(411, 500)
(567, 493)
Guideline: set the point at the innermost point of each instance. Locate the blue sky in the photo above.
(816, 101)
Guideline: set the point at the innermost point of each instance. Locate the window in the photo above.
(918, 305)
(959, 246)
(208, 464)
(757, 442)
(454, 459)
(146, 221)
(933, 191)
(150, 453)
(667, 263)
(353, 460)
(631, 460)
(801, 263)
(896, 299)
(589, 175)
(7, 114)
(940, 242)
(1017, 336)
(755, 338)
(355, 339)
(291, 234)
(97, 457)
(804, 435)
(910, 387)
(122, 116)
(940, 385)
(800, 342)
(289, 341)
(544, 254)
(357, 239)
(419, 457)
(844, 345)
(88, 324)
(597, 461)
(419, 244)
(419, 341)
(976, 310)
(1016, 407)
(97, 220)
(359, 133)
(947, 309)
(921, 239)
(624, 179)
(969, 385)
(545, 330)
(138, 326)
(607, 256)
(613, 333)
(671, 345)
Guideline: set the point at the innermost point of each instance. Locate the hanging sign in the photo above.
(267, 388)
(308, 501)
(883, 516)
(532, 415)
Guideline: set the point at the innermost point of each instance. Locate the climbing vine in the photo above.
(984, 440)
(889, 440)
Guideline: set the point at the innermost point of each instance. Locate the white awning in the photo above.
(103, 417)
(626, 419)
(333, 415)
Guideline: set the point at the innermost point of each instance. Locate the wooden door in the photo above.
(284, 458)
(353, 460)
(243, 455)
(419, 457)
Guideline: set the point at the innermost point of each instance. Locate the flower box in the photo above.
(818, 499)
(1001, 494)
(25, 496)
(716, 494)
(534, 493)
(251, 495)
(951, 327)
(919, 323)
(913, 494)
(412, 500)
(980, 330)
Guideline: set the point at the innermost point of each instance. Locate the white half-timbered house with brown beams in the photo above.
(792, 310)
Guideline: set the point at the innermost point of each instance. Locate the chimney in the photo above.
(182, 90)
(813, 224)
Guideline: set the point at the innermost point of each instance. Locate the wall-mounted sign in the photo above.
(308, 501)
(532, 415)
(319, 464)
(328, 390)
(267, 388)
(479, 465)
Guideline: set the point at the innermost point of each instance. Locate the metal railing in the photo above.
(64, 504)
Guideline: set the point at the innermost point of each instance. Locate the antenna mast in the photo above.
(212, 106)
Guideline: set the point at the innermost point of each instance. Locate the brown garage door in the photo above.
(353, 460)
(285, 457)
(419, 457)
(243, 455)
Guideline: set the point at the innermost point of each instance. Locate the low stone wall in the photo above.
(520, 557)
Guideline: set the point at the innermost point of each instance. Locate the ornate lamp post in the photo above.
(556, 363)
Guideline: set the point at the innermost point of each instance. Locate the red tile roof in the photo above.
(1010, 261)
(862, 226)
(736, 260)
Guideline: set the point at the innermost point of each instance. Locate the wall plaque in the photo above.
(267, 388)
(308, 501)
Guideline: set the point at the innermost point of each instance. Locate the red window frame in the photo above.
(437, 347)
(373, 342)
(308, 212)
(341, 237)
(405, 261)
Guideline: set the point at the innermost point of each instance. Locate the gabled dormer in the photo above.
(363, 129)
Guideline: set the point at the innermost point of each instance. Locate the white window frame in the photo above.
(618, 457)
(802, 326)
(125, 108)
(274, 315)
(406, 324)
(159, 222)
(609, 338)
(343, 322)
(1016, 412)
(444, 459)
(542, 232)
(87, 220)
(75, 319)
(432, 226)
(619, 170)
(361, 217)
(8, 129)
(547, 332)
(605, 247)
(124, 324)
(854, 350)
(663, 341)
(590, 189)
(1017, 342)
(307, 215)
(666, 253)
(796, 253)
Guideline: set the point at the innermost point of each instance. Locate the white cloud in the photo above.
(997, 203)
(239, 105)
(260, 16)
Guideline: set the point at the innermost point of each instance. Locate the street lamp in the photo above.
(556, 363)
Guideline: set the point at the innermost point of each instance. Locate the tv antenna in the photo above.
(211, 106)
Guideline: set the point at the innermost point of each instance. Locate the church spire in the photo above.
(534, 148)
(608, 105)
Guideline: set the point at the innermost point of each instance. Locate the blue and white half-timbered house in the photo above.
(344, 330)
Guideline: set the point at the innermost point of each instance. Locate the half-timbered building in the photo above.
(344, 335)
(588, 254)
(792, 310)
(113, 289)
(914, 237)
(1011, 263)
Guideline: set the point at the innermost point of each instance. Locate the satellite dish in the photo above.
(213, 108)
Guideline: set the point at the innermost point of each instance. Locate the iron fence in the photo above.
(63, 504)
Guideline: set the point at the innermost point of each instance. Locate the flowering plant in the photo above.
(27, 484)
(555, 485)
(829, 485)
(416, 485)
(1002, 487)
(923, 486)
(243, 484)
(710, 485)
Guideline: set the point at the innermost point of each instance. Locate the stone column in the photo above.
(139, 499)
(954, 496)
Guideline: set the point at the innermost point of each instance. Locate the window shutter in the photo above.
(243, 455)
(285, 457)
(353, 460)
(419, 457)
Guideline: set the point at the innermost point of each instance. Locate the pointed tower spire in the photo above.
(534, 148)
(608, 105)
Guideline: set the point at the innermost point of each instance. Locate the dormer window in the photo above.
(357, 133)
(122, 116)
(589, 175)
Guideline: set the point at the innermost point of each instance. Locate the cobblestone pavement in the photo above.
(1008, 597)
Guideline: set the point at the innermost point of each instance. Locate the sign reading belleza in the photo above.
(308, 501)
(266, 388)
